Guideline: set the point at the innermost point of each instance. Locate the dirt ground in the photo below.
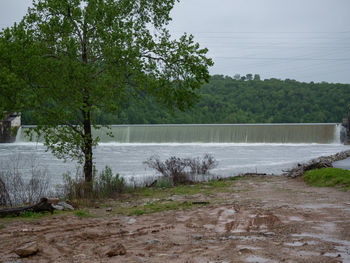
(269, 219)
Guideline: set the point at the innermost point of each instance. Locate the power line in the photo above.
(290, 58)
(273, 38)
(264, 32)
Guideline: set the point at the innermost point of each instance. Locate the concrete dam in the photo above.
(319, 133)
(9, 127)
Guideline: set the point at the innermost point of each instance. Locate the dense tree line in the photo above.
(245, 99)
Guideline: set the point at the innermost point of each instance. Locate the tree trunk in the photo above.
(87, 148)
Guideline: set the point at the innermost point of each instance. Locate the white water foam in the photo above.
(18, 135)
(127, 159)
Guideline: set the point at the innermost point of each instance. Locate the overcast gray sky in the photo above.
(306, 40)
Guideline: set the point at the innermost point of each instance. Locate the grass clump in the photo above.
(219, 183)
(31, 214)
(2, 227)
(83, 213)
(327, 177)
(164, 182)
(188, 189)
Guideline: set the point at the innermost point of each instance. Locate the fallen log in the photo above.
(42, 206)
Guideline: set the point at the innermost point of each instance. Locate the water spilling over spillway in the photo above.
(264, 148)
(220, 133)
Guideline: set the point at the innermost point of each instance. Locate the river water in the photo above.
(127, 157)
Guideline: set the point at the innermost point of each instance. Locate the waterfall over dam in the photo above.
(321, 133)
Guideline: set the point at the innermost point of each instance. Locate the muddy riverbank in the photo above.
(252, 219)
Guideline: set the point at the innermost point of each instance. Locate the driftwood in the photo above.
(42, 206)
(302, 168)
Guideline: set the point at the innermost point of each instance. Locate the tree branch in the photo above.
(51, 56)
(69, 15)
(74, 128)
(98, 73)
(155, 58)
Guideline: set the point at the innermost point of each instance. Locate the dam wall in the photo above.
(9, 127)
(321, 133)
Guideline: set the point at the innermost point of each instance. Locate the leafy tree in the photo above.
(71, 58)
(9, 83)
(256, 77)
(237, 77)
(249, 76)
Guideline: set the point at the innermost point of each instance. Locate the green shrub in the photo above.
(328, 177)
(104, 185)
(107, 185)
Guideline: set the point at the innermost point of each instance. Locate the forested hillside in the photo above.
(243, 100)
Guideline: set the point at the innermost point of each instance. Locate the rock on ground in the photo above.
(116, 250)
(27, 250)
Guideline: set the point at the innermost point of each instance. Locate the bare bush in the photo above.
(15, 188)
(202, 166)
(181, 169)
(173, 167)
(5, 199)
(73, 188)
